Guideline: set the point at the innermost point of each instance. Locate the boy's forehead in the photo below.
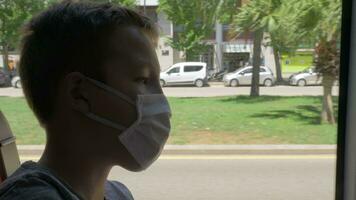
(133, 47)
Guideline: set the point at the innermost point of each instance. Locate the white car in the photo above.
(243, 76)
(306, 77)
(16, 82)
(185, 73)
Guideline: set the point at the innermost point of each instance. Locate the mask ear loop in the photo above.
(116, 93)
(105, 121)
(112, 90)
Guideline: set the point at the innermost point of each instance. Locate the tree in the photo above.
(227, 10)
(259, 17)
(194, 20)
(279, 40)
(13, 13)
(325, 32)
(128, 3)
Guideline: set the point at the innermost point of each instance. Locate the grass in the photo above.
(23, 123)
(216, 120)
(296, 63)
(293, 68)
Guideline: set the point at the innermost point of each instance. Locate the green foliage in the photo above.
(228, 10)
(324, 30)
(13, 13)
(128, 3)
(258, 15)
(292, 22)
(315, 19)
(319, 21)
(194, 20)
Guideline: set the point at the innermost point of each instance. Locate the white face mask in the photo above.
(146, 137)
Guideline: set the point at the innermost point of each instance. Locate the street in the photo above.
(218, 90)
(232, 178)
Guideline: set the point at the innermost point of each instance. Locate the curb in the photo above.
(249, 149)
(221, 149)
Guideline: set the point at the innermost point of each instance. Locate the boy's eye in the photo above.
(142, 80)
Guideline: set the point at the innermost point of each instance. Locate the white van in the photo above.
(185, 73)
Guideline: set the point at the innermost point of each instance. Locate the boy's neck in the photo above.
(85, 174)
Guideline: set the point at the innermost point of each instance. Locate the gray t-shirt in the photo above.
(32, 182)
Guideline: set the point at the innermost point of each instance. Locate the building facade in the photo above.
(226, 51)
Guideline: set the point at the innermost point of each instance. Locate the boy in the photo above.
(91, 76)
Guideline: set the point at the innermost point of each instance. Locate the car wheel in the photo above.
(234, 83)
(18, 84)
(268, 83)
(162, 83)
(199, 83)
(301, 83)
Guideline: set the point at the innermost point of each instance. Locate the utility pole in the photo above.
(144, 7)
(219, 41)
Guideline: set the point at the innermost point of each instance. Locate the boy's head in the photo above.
(71, 42)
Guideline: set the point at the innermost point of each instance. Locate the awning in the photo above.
(237, 48)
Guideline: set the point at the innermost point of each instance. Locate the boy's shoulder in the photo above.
(31, 182)
(29, 187)
(117, 190)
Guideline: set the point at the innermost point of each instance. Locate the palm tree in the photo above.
(319, 21)
(259, 17)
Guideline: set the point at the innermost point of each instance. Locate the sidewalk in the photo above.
(36, 150)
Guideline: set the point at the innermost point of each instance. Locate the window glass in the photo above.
(247, 71)
(174, 70)
(232, 135)
(192, 68)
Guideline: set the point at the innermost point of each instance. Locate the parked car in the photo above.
(185, 73)
(243, 76)
(16, 82)
(2, 78)
(306, 77)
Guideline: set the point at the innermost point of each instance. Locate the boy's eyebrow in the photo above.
(143, 62)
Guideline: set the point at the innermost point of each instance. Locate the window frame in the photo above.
(345, 186)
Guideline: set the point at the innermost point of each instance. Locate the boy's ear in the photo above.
(77, 92)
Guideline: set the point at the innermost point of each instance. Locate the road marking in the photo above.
(246, 157)
(228, 157)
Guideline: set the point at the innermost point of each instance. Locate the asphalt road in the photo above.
(217, 90)
(233, 178)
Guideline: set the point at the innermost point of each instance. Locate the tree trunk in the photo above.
(5, 57)
(278, 65)
(327, 113)
(327, 62)
(256, 63)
